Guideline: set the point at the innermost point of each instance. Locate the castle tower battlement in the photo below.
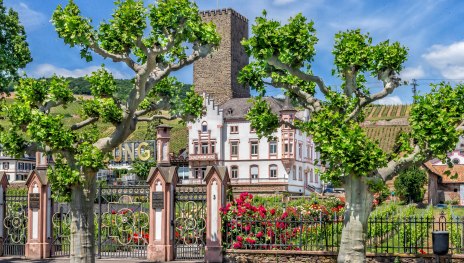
(217, 74)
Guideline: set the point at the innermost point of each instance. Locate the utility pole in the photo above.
(414, 89)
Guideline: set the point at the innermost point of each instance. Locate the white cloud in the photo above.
(449, 60)
(30, 18)
(283, 2)
(47, 70)
(412, 73)
(391, 100)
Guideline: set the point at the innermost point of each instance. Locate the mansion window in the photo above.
(288, 147)
(213, 147)
(234, 129)
(300, 174)
(234, 172)
(234, 148)
(310, 152)
(254, 172)
(273, 148)
(195, 148)
(273, 171)
(254, 148)
(311, 175)
(316, 178)
(204, 127)
(204, 148)
(300, 151)
(6, 165)
(294, 172)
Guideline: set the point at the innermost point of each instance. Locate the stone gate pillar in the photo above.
(38, 243)
(216, 179)
(3, 186)
(162, 181)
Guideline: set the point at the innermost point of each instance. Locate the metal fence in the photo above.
(393, 235)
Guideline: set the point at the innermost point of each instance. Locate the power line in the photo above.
(414, 90)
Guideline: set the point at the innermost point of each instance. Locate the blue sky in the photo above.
(431, 29)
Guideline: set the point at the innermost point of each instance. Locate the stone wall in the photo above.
(217, 73)
(234, 256)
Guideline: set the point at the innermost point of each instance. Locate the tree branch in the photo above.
(313, 104)
(156, 117)
(49, 105)
(274, 61)
(115, 57)
(396, 166)
(84, 123)
(390, 83)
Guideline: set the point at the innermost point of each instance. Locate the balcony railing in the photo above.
(203, 157)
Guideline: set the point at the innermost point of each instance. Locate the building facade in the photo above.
(223, 137)
(17, 169)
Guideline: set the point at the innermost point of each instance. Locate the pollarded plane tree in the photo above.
(14, 50)
(152, 41)
(283, 56)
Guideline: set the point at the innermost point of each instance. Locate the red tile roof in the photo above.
(441, 169)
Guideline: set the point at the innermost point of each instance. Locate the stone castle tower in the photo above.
(217, 74)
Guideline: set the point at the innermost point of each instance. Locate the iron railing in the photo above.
(392, 235)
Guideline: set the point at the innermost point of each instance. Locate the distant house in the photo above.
(446, 186)
(17, 169)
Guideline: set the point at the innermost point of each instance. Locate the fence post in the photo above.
(162, 181)
(3, 186)
(216, 179)
(38, 244)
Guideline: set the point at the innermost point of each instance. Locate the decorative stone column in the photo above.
(3, 185)
(162, 181)
(38, 243)
(217, 179)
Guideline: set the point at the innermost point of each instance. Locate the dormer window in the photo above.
(230, 111)
(204, 127)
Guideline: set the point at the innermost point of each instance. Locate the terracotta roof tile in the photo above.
(441, 169)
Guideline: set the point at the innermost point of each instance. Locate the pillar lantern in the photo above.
(163, 136)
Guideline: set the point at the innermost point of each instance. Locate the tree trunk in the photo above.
(358, 207)
(82, 222)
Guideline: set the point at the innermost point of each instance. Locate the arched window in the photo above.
(254, 172)
(234, 172)
(204, 127)
(273, 171)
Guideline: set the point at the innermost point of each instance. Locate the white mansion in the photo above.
(224, 137)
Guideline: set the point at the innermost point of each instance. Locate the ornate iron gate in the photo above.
(61, 229)
(15, 222)
(190, 221)
(123, 221)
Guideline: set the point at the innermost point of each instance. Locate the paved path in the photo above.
(66, 260)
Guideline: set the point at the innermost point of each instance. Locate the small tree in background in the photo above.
(152, 41)
(283, 57)
(142, 168)
(14, 50)
(409, 185)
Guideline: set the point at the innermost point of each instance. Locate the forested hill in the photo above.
(82, 87)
